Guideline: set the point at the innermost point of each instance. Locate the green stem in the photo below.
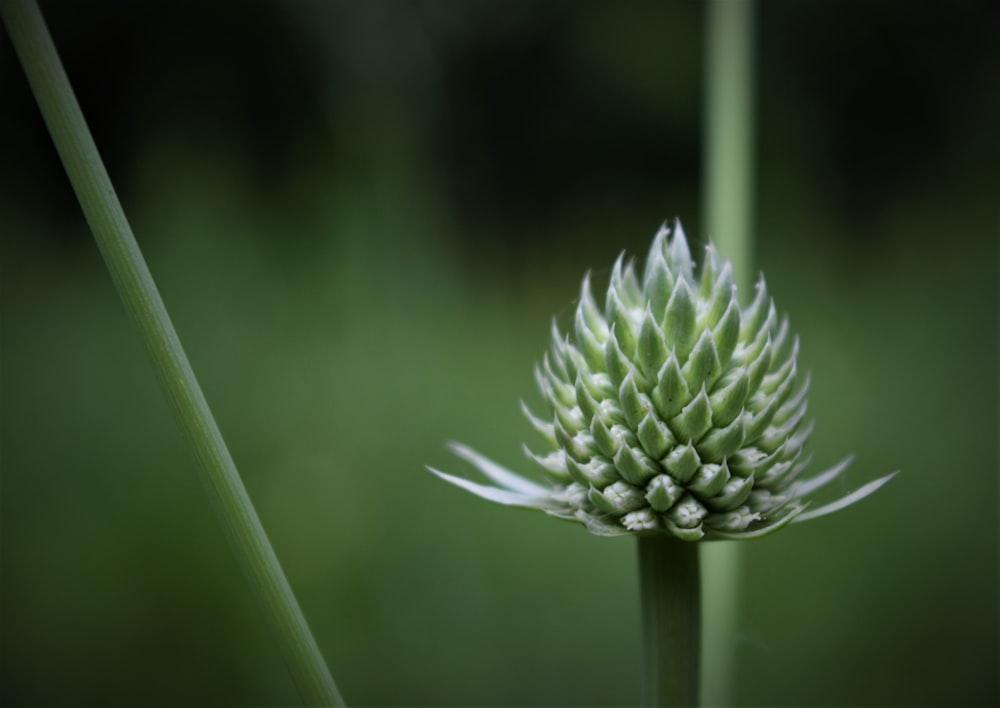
(729, 132)
(135, 285)
(670, 590)
(729, 214)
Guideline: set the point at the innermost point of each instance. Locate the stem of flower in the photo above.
(670, 597)
(142, 301)
(728, 189)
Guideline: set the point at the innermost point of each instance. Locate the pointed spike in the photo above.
(756, 311)
(562, 389)
(778, 434)
(682, 462)
(808, 486)
(604, 472)
(587, 342)
(731, 521)
(633, 407)
(728, 402)
(774, 478)
(584, 399)
(497, 473)
(680, 255)
(671, 392)
(694, 419)
(723, 291)
(496, 494)
(614, 288)
(652, 348)
(570, 418)
(553, 464)
(611, 413)
(628, 342)
(679, 320)
(702, 367)
(622, 327)
(546, 430)
(606, 442)
(599, 501)
(573, 495)
(573, 447)
(720, 443)
(771, 323)
(733, 494)
(783, 342)
(658, 281)
(745, 461)
(600, 386)
(709, 480)
(602, 527)
(631, 291)
(760, 530)
(749, 349)
(727, 332)
(657, 249)
(780, 383)
(616, 362)
(591, 473)
(557, 348)
(543, 385)
(576, 471)
(771, 439)
(847, 500)
(798, 468)
(571, 360)
(655, 437)
(589, 312)
(796, 442)
(634, 466)
(762, 418)
(765, 501)
(709, 271)
(790, 422)
(795, 401)
(758, 366)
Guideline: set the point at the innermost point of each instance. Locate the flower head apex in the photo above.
(671, 410)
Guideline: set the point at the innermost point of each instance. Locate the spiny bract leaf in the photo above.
(676, 410)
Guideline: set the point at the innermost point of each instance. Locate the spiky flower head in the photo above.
(672, 410)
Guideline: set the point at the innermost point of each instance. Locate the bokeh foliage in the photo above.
(361, 217)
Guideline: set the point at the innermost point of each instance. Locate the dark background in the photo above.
(361, 217)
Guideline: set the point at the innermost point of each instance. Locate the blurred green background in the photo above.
(362, 217)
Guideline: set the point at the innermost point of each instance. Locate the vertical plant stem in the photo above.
(670, 597)
(728, 189)
(135, 285)
(729, 124)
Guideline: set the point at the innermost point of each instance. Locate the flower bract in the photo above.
(671, 409)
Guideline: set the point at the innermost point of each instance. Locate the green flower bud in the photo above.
(674, 411)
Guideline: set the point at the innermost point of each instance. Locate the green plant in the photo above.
(145, 307)
(675, 413)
